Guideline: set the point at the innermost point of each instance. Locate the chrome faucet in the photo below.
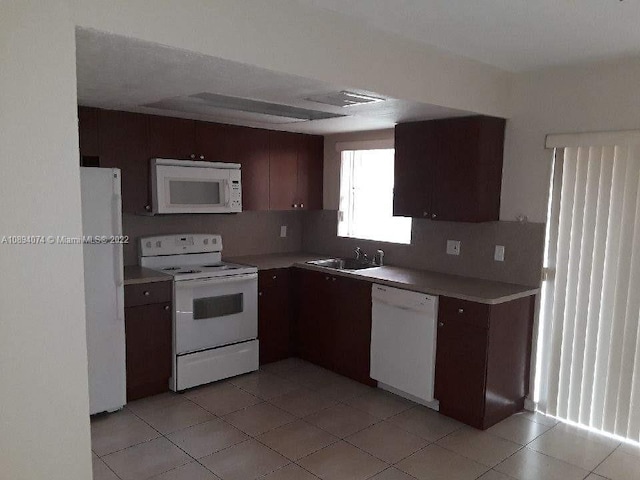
(378, 259)
(360, 255)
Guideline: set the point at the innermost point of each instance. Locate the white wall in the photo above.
(44, 423)
(603, 96)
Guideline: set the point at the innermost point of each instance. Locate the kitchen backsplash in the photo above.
(246, 233)
(523, 242)
(255, 233)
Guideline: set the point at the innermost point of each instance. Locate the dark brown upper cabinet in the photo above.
(295, 171)
(123, 143)
(250, 148)
(280, 170)
(449, 169)
(88, 132)
(212, 143)
(171, 138)
(283, 171)
(310, 172)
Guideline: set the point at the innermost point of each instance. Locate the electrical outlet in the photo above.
(283, 231)
(453, 247)
(498, 256)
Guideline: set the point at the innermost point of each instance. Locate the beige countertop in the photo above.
(434, 283)
(134, 274)
(275, 260)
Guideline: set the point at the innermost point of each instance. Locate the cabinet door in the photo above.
(468, 169)
(461, 358)
(283, 170)
(123, 143)
(310, 172)
(456, 166)
(352, 340)
(212, 142)
(250, 148)
(148, 349)
(314, 329)
(171, 137)
(415, 148)
(88, 132)
(274, 315)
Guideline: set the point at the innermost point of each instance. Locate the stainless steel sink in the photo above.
(343, 264)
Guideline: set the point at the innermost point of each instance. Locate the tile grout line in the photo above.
(604, 460)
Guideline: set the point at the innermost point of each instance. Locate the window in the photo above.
(366, 198)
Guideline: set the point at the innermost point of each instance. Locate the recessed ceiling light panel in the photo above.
(212, 103)
(344, 98)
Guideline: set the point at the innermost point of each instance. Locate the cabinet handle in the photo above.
(433, 215)
(333, 279)
(166, 307)
(440, 324)
(259, 294)
(274, 277)
(146, 293)
(193, 155)
(326, 278)
(302, 205)
(461, 310)
(147, 208)
(201, 157)
(425, 214)
(295, 205)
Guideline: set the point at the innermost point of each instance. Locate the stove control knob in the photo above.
(206, 241)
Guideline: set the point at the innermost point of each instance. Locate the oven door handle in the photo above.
(215, 280)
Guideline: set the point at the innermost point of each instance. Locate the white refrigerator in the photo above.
(103, 284)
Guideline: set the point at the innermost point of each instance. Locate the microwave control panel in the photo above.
(235, 187)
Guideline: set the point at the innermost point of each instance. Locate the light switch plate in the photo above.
(498, 256)
(283, 231)
(453, 247)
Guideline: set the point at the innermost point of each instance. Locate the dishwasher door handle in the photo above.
(422, 308)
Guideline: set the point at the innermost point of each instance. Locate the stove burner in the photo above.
(189, 271)
(170, 269)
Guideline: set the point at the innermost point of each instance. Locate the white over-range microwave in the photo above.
(184, 186)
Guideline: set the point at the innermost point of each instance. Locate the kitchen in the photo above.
(206, 302)
(309, 279)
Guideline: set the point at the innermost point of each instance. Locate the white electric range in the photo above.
(215, 318)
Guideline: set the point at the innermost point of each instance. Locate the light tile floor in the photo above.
(295, 421)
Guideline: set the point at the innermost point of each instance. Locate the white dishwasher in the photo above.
(403, 341)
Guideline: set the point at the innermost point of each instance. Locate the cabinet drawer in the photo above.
(455, 311)
(147, 293)
(273, 277)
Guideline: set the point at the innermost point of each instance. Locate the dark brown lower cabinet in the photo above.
(482, 359)
(274, 314)
(148, 339)
(333, 323)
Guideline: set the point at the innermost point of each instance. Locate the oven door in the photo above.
(191, 190)
(218, 311)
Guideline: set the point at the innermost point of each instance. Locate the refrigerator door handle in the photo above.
(116, 205)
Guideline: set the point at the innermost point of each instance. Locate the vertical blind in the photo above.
(589, 345)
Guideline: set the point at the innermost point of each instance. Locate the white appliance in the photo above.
(215, 321)
(103, 285)
(403, 342)
(184, 186)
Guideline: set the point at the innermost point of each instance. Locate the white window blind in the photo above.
(588, 365)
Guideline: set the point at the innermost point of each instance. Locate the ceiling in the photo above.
(515, 35)
(120, 73)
